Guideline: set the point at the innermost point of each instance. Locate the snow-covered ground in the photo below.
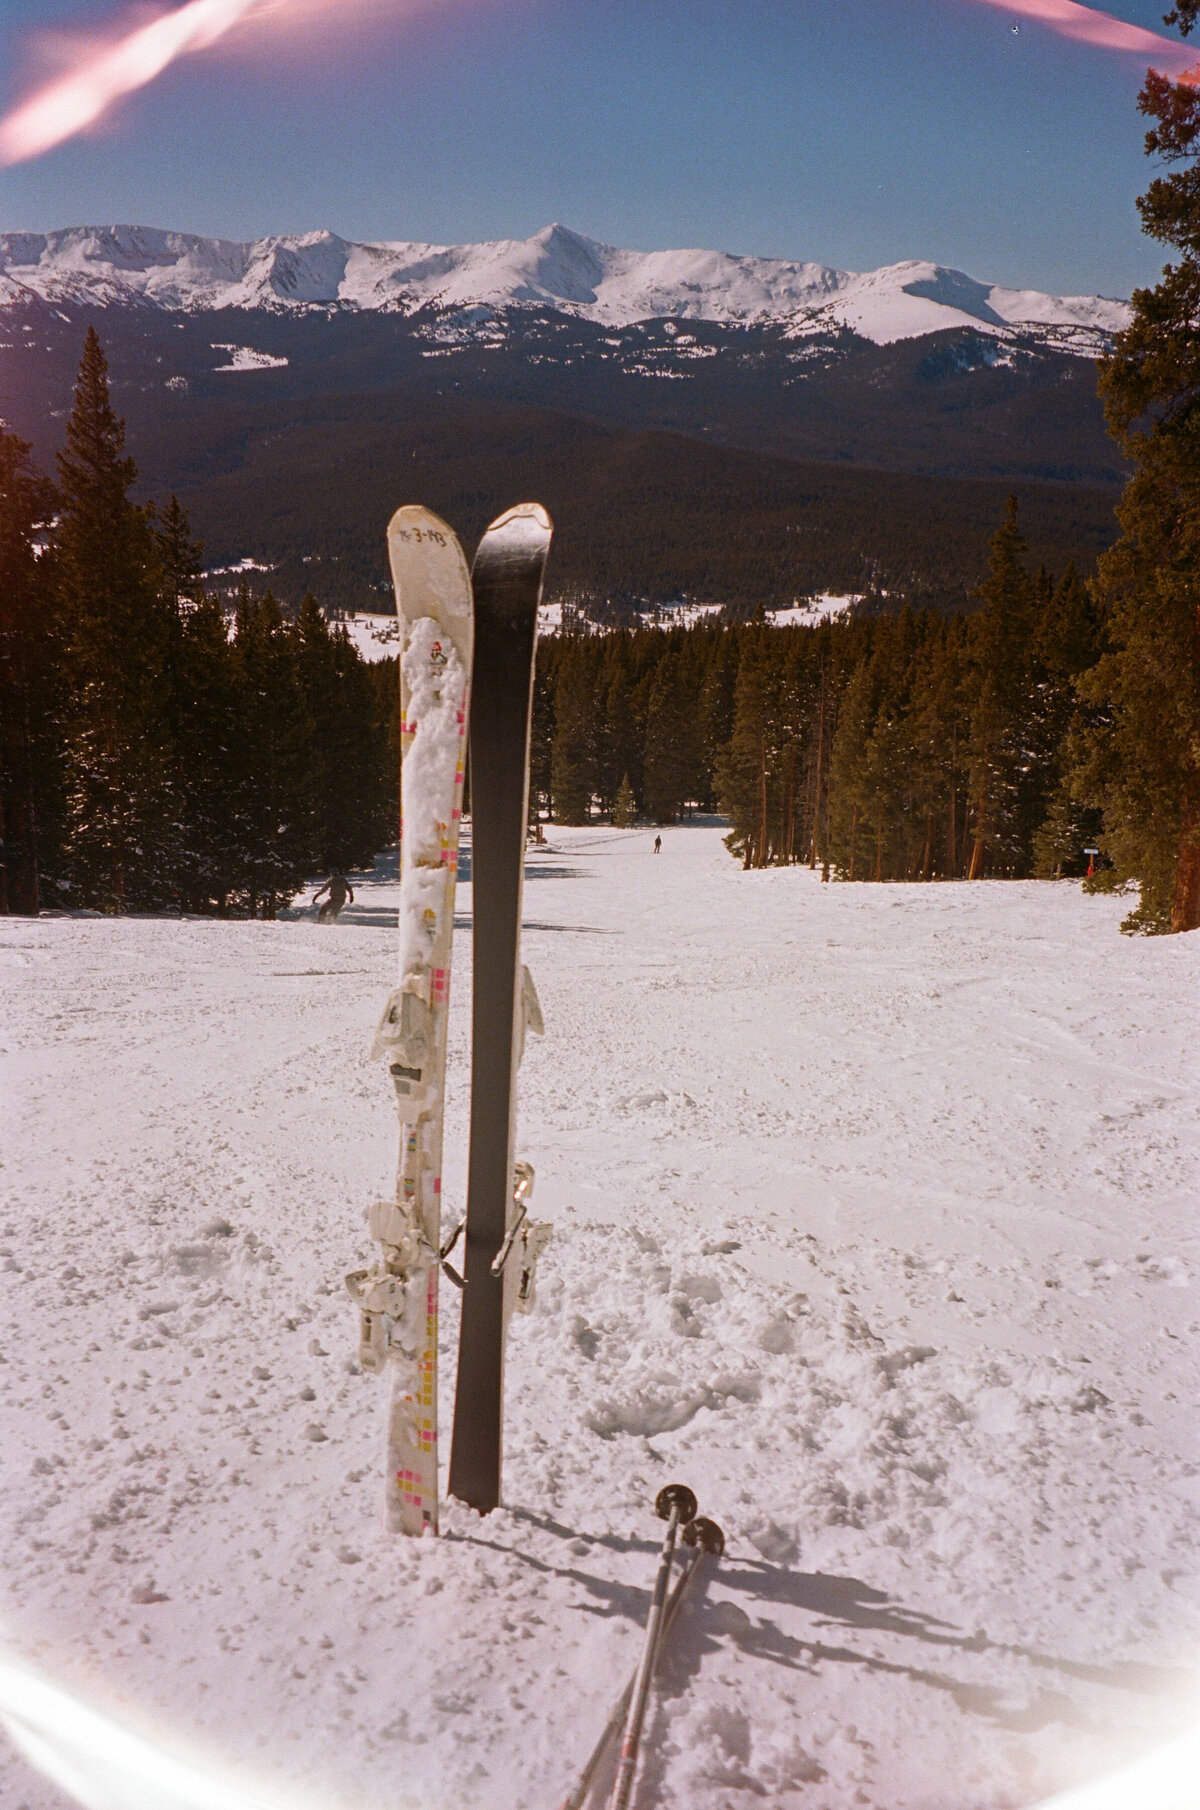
(822, 608)
(377, 637)
(874, 1220)
(245, 358)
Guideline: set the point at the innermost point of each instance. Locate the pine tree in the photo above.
(1068, 644)
(670, 741)
(624, 809)
(347, 791)
(122, 797)
(1143, 764)
(572, 761)
(31, 692)
(209, 719)
(274, 822)
(180, 558)
(853, 775)
(744, 764)
(382, 676)
(715, 707)
(999, 758)
(620, 754)
(541, 739)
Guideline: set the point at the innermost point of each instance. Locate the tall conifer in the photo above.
(1144, 763)
(123, 822)
(31, 691)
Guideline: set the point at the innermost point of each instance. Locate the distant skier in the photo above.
(658, 845)
(339, 890)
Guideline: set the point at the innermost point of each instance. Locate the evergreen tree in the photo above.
(1143, 762)
(619, 753)
(1068, 644)
(347, 792)
(31, 691)
(818, 744)
(572, 760)
(209, 734)
(715, 707)
(624, 809)
(123, 828)
(854, 829)
(541, 735)
(744, 765)
(180, 558)
(383, 677)
(275, 821)
(999, 758)
(670, 741)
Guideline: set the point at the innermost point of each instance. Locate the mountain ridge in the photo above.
(555, 269)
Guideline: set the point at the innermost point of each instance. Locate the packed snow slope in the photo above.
(874, 1221)
(555, 268)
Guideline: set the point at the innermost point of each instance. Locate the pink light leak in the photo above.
(74, 102)
(1091, 26)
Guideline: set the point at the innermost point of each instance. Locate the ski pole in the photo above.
(703, 1537)
(674, 1504)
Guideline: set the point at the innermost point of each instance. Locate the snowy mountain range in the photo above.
(556, 269)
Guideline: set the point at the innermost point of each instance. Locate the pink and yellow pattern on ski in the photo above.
(433, 602)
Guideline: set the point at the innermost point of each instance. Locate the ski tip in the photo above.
(706, 1534)
(527, 518)
(414, 518)
(430, 576)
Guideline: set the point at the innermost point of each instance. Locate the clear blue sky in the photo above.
(855, 132)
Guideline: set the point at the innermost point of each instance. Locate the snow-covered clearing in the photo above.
(245, 358)
(376, 637)
(822, 608)
(874, 1218)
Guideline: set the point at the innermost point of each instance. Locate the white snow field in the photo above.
(874, 1221)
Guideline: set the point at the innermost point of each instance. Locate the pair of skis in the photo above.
(466, 671)
(676, 1505)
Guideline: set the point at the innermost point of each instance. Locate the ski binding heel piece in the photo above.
(524, 1242)
(529, 1018)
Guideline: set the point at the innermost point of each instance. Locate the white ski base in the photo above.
(398, 1299)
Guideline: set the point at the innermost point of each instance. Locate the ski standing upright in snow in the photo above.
(501, 1243)
(398, 1297)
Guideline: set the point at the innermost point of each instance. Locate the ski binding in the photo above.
(389, 1316)
(524, 1242)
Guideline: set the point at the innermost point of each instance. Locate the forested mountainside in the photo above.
(727, 462)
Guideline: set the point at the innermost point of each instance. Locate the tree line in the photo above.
(154, 755)
(904, 747)
(878, 748)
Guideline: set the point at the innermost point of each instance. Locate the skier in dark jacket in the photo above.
(657, 844)
(339, 890)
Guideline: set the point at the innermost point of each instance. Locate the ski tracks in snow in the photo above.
(873, 1222)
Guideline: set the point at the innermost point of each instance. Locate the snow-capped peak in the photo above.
(556, 268)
